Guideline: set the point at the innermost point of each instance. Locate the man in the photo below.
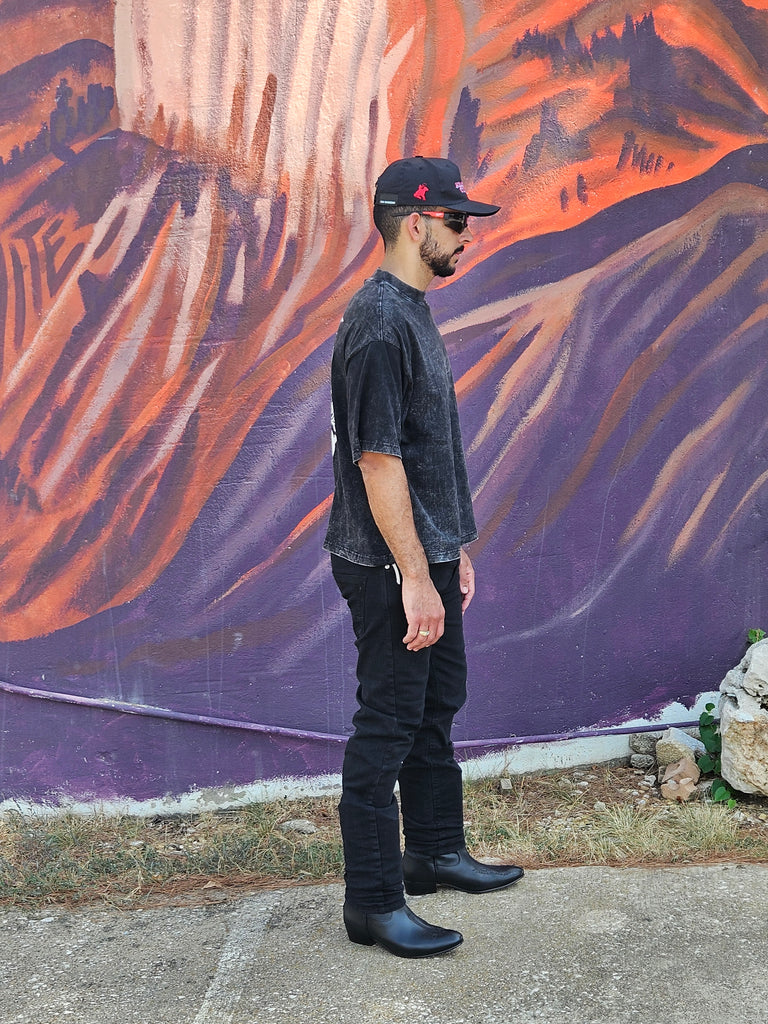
(400, 517)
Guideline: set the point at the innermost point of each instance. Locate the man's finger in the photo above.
(424, 634)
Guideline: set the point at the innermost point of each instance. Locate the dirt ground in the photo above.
(580, 795)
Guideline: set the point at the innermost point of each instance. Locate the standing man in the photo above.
(400, 517)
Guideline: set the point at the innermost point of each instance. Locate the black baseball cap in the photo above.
(428, 180)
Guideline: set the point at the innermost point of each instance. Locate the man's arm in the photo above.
(390, 501)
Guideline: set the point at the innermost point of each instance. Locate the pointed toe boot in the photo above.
(400, 931)
(423, 874)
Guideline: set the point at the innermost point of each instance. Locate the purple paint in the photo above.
(582, 616)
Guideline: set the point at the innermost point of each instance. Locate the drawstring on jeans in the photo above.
(396, 571)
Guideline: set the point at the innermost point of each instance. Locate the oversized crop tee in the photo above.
(393, 392)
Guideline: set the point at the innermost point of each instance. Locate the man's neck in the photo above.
(410, 271)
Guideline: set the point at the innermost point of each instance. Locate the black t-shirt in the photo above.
(393, 393)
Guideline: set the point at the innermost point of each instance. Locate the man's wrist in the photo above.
(415, 571)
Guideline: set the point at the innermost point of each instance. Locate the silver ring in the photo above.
(423, 632)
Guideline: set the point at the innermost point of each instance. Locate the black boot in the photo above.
(399, 931)
(423, 874)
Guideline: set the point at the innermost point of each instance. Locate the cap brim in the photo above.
(472, 208)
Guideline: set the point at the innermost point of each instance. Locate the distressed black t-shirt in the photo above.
(393, 392)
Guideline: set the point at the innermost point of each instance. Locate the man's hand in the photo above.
(424, 611)
(466, 580)
(390, 501)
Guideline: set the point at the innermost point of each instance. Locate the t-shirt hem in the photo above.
(380, 448)
(433, 558)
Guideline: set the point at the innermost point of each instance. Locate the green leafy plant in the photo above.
(754, 636)
(710, 762)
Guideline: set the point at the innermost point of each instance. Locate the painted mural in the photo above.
(184, 213)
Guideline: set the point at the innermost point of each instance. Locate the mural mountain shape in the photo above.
(655, 365)
(653, 359)
(651, 100)
(167, 317)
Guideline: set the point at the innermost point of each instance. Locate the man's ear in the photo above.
(413, 225)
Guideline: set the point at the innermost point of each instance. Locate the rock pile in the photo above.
(743, 728)
(672, 756)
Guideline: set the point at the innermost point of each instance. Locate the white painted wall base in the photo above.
(516, 759)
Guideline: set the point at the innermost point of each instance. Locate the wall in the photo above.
(184, 213)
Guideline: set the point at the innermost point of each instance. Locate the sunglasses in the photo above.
(455, 221)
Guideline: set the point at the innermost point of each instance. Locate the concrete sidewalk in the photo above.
(564, 946)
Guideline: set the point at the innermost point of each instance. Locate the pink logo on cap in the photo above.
(421, 193)
(460, 186)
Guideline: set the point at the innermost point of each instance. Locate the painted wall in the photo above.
(184, 213)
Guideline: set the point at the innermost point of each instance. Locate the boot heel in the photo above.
(357, 931)
(420, 888)
(361, 938)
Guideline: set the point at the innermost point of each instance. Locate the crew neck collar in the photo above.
(405, 289)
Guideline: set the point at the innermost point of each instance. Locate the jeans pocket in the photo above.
(352, 589)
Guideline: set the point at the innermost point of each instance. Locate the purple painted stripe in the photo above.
(583, 734)
(150, 711)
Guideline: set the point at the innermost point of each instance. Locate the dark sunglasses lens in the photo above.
(457, 222)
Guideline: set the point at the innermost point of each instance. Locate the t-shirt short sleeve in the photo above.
(375, 399)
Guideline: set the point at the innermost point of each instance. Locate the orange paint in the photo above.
(114, 414)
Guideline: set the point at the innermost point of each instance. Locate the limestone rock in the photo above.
(704, 789)
(674, 790)
(750, 675)
(644, 742)
(676, 744)
(744, 722)
(643, 762)
(300, 825)
(680, 780)
(685, 768)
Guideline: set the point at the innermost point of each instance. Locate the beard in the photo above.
(439, 262)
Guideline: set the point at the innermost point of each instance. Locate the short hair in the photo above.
(389, 218)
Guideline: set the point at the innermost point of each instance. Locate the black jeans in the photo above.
(407, 703)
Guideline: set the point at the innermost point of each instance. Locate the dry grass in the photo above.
(608, 816)
(541, 821)
(122, 861)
